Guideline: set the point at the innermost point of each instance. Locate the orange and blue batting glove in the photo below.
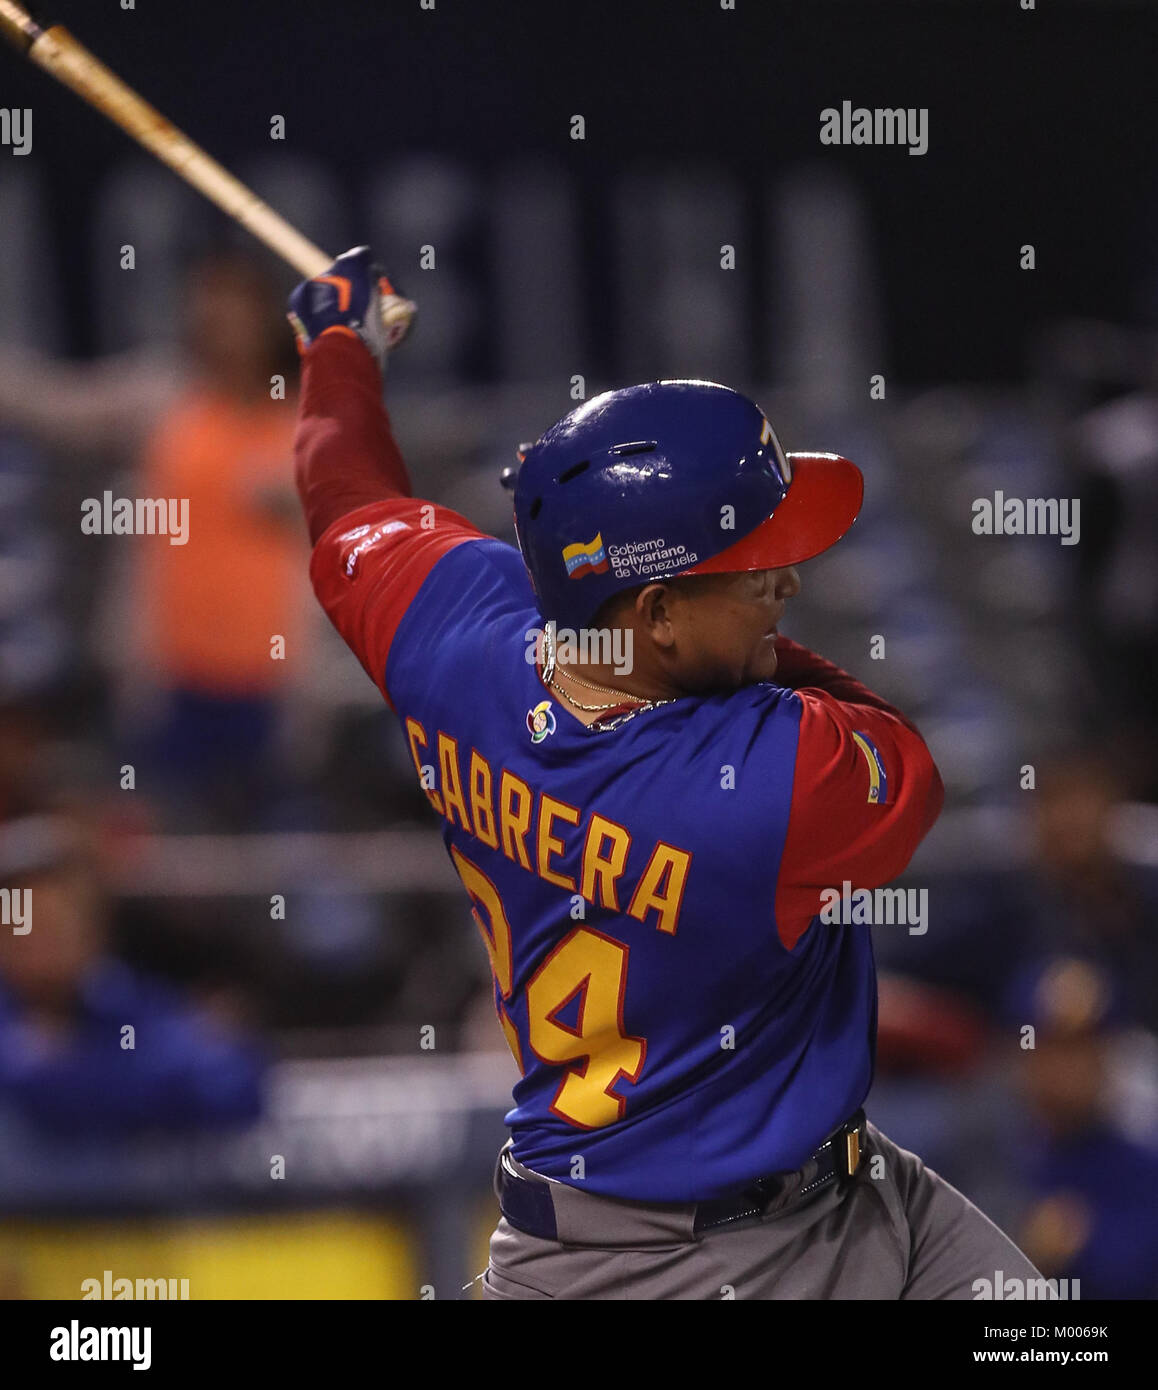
(354, 295)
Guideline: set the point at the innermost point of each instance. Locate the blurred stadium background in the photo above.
(270, 905)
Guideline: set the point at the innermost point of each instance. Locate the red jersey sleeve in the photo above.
(375, 544)
(865, 790)
(369, 566)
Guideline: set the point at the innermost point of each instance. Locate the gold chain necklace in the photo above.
(550, 675)
(603, 689)
(578, 704)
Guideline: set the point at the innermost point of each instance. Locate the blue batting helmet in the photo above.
(667, 479)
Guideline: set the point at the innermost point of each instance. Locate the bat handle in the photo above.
(18, 26)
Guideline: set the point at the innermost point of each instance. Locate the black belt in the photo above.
(528, 1206)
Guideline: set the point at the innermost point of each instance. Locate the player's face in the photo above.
(724, 627)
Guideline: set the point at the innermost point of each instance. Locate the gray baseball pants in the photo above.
(895, 1230)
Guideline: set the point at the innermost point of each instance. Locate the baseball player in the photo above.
(645, 835)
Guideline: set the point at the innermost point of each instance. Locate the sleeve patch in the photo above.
(365, 538)
(878, 780)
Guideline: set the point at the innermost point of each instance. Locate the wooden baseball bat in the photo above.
(57, 52)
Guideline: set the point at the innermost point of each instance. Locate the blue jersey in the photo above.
(647, 890)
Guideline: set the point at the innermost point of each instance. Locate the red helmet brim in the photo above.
(822, 501)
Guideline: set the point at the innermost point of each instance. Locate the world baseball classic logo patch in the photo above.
(541, 721)
(585, 557)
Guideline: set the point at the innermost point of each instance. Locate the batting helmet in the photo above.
(667, 479)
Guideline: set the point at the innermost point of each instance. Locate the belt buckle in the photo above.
(846, 1146)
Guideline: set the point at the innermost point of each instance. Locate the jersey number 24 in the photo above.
(586, 965)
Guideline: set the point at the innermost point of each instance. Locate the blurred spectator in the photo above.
(191, 632)
(205, 614)
(1091, 1213)
(88, 1045)
(1083, 898)
(1075, 894)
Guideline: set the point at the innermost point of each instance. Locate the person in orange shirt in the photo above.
(188, 633)
(190, 636)
(218, 618)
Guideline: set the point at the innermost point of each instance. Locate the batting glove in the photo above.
(352, 293)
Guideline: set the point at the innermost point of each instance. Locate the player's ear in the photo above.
(653, 609)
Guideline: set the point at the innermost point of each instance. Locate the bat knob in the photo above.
(396, 314)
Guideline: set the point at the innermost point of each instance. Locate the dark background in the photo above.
(1042, 126)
